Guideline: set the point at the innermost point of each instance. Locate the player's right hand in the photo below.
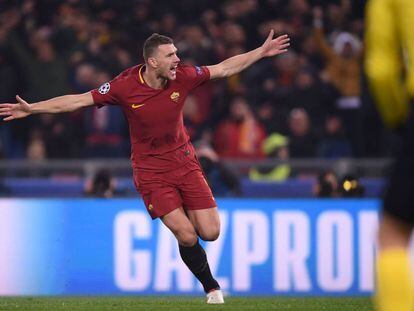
(18, 110)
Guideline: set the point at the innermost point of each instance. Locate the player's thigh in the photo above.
(206, 222)
(198, 202)
(159, 196)
(194, 189)
(182, 228)
(160, 201)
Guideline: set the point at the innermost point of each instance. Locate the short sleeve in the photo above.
(107, 93)
(194, 75)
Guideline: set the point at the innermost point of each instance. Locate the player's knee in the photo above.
(187, 237)
(211, 234)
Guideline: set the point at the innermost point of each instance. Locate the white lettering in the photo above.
(250, 245)
(169, 262)
(335, 251)
(215, 249)
(292, 247)
(367, 228)
(132, 268)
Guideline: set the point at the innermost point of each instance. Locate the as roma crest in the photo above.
(175, 96)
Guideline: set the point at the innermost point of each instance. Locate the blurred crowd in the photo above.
(309, 102)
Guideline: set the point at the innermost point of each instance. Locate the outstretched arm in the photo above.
(59, 104)
(323, 45)
(238, 63)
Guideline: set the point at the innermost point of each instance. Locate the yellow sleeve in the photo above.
(405, 26)
(384, 62)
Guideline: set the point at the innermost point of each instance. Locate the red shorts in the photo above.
(182, 187)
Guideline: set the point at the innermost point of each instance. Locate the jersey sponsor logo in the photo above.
(175, 96)
(199, 71)
(135, 106)
(104, 88)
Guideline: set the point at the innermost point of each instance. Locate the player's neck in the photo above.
(153, 80)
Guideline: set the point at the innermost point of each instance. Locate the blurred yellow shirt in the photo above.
(389, 53)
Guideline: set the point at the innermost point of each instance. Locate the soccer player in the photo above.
(165, 169)
(390, 72)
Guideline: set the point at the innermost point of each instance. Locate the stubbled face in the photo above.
(166, 61)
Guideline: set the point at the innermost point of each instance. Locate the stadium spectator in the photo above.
(36, 149)
(59, 136)
(272, 116)
(302, 140)
(101, 185)
(193, 117)
(327, 185)
(275, 76)
(84, 77)
(85, 38)
(8, 74)
(223, 180)
(343, 62)
(275, 146)
(240, 136)
(196, 46)
(334, 143)
(105, 133)
(46, 72)
(106, 129)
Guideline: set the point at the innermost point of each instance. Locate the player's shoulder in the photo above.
(122, 83)
(129, 73)
(189, 71)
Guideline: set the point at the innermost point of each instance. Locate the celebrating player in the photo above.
(165, 169)
(390, 71)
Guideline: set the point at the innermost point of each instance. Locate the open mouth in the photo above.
(173, 69)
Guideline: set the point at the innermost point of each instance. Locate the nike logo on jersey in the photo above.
(135, 106)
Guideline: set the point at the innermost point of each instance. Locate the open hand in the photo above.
(18, 110)
(272, 47)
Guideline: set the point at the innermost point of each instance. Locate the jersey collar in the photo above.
(140, 77)
(142, 81)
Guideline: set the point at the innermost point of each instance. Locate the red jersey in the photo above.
(159, 140)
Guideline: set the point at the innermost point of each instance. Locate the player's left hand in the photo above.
(272, 47)
(18, 110)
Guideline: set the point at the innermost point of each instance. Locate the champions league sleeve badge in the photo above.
(104, 88)
(199, 70)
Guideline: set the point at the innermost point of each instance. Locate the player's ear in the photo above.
(152, 62)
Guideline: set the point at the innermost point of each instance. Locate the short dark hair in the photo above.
(153, 42)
